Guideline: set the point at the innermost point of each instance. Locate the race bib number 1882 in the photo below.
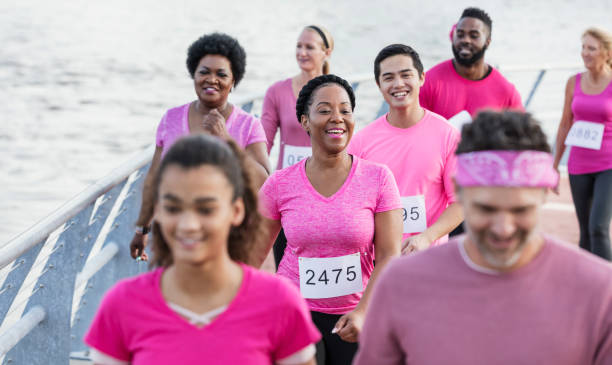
(413, 214)
(585, 134)
(330, 277)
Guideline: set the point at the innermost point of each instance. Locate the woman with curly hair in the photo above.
(201, 304)
(338, 213)
(216, 63)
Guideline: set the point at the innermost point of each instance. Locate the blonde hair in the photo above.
(605, 39)
(328, 39)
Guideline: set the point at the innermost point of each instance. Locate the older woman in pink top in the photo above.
(586, 126)
(338, 212)
(216, 63)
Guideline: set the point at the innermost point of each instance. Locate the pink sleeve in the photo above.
(160, 136)
(106, 333)
(450, 166)
(256, 134)
(295, 329)
(378, 343)
(268, 206)
(388, 193)
(515, 100)
(269, 117)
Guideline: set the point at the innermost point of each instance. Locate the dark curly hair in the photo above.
(395, 49)
(304, 100)
(217, 44)
(478, 14)
(507, 130)
(200, 149)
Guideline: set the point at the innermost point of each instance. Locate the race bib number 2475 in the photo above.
(329, 277)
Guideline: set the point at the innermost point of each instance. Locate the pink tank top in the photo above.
(597, 109)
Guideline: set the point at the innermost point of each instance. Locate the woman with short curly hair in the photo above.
(216, 62)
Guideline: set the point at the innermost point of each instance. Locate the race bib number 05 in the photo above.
(330, 277)
(413, 214)
(585, 134)
(295, 154)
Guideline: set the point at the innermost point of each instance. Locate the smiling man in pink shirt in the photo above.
(417, 145)
(504, 293)
(466, 83)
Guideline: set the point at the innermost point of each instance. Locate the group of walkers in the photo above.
(340, 208)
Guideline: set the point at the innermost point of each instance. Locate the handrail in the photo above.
(544, 66)
(19, 330)
(39, 231)
(96, 263)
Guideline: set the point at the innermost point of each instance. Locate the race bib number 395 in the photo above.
(585, 134)
(330, 277)
(413, 214)
(295, 154)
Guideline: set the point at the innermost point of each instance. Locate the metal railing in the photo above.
(57, 271)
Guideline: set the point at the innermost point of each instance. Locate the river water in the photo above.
(84, 83)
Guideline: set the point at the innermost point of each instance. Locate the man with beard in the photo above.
(504, 293)
(467, 83)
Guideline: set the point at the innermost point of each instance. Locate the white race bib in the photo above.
(459, 119)
(415, 220)
(585, 134)
(330, 277)
(295, 154)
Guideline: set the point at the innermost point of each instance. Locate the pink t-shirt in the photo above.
(446, 93)
(134, 323)
(422, 159)
(244, 128)
(318, 226)
(597, 109)
(279, 112)
(437, 307)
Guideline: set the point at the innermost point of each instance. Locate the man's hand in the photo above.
(418, 242)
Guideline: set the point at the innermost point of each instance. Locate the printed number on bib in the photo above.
(295, 154)
(585, 134)
(330, 277)
(413, 214)
(459, 119)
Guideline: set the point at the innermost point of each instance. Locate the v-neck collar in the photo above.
(339, 192)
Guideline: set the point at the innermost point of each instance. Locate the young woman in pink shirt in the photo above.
(201, 304)
(339, 212)
(312, 52)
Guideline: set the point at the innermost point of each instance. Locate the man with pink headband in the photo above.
(504, 293)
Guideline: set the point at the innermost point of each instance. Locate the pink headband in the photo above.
(506, 168)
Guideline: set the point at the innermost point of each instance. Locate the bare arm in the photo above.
(448, 220)
(387, 238)
(139, 241)
(257, 162)
(261, 249)
(566, 121)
